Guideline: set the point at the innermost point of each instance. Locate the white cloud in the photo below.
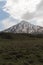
(39, 21)
(39, 18)
(17, 8)
(8, 23)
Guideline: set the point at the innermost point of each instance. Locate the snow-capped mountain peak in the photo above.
(24, 27)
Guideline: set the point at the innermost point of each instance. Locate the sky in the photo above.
(13, 11)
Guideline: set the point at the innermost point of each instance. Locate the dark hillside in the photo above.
(19, 35)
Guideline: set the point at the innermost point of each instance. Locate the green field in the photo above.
(21, 49)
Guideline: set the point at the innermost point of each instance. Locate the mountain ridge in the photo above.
(25, 27)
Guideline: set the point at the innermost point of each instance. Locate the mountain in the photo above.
(25, 27)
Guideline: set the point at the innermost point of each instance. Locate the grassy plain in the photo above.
(20, 49)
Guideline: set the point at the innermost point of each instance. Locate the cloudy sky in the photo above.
(13, 11)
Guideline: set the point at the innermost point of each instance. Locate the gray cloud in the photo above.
(37, 16)
(28, 16)
(16, 1)
(39, 12)
(40, 6)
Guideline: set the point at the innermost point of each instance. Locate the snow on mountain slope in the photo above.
(25, 27)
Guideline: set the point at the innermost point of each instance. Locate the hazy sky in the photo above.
(12, 11)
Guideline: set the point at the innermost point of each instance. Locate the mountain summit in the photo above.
(25, 27)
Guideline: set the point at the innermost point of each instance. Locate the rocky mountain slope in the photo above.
(25, 27)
